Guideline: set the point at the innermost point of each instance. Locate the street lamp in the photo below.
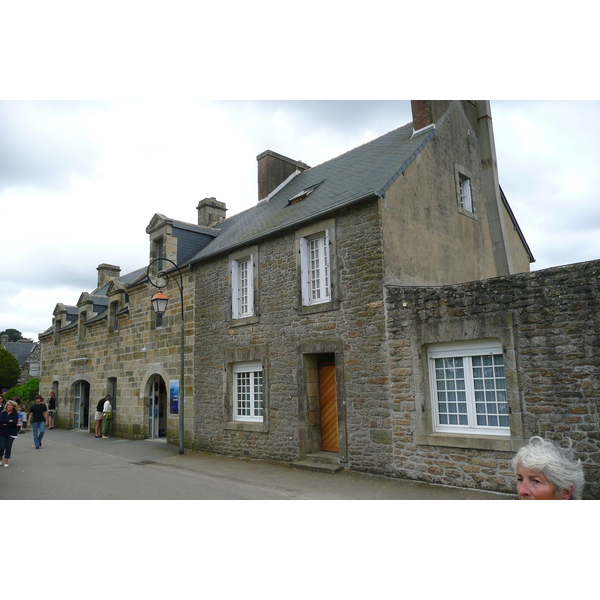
(159, 304)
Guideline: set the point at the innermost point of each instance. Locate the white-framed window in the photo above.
(464, 190)
(242, 288)
(315, 269)
(248, 397)
(468, 386)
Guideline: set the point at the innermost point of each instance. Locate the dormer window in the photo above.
(303, 194)
(159, 247)
(81, 325)
(113, 316)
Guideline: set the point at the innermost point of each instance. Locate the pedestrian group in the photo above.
(14, 420)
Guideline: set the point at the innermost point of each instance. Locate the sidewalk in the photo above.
(227, 477)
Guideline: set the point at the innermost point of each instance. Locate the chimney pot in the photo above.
(426, 112)
(211, 212)
(107, 273)
(273, 170)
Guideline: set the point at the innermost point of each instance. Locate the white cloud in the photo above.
(86, 178)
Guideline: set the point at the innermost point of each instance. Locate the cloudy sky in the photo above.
(80, 180)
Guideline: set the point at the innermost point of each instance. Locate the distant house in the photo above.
(27, 354)
(293, 311)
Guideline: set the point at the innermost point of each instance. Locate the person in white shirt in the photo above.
(106, 416)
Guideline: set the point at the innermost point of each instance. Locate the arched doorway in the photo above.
(157, 408)
(81, 405)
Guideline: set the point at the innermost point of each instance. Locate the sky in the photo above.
(80, 180)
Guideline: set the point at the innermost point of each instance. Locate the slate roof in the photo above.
(366, 171)
(124, 279)
(20, 350)
(190, 239)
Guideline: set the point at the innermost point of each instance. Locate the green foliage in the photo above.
(14, 335)
(26, 392)
(10, 371)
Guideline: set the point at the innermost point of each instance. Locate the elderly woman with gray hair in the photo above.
(547, 472)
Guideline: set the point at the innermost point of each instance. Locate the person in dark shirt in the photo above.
(38, 418)
(51, 410)
(9, 429)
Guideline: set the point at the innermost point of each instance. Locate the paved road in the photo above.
(73, 465)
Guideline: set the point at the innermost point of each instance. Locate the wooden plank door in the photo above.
(328, 404)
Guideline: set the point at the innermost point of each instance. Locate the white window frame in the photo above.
(242, 288)
(248, 392)
(441, 397)
(465, 192)
(315, 269)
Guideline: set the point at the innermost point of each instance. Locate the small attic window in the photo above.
(303, 194)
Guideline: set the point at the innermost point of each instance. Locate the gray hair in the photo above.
(556, 464)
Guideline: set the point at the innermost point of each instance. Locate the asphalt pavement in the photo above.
(74, 465)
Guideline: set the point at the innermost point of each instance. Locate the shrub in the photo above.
(26, 392)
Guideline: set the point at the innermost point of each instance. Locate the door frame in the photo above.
(156, 399)
(308, 391)
(81, 400)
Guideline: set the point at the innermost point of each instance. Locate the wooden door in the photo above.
(328, 404)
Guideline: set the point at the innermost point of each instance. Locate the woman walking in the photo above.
(9, 429)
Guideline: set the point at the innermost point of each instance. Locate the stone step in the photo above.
(323, 462)
(320, 467)
(330, 458)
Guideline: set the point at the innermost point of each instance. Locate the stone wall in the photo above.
(550, 319)
(286, 336)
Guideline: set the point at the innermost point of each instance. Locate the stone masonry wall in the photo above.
(554, 317)
(283, 335)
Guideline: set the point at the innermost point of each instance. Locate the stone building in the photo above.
(113, 342)
(292, 358)
(298, 340)
(27, 353)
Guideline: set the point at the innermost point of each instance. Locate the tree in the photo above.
(10, 371)
(14, 335)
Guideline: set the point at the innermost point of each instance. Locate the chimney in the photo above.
(273, 170)
(211, 212)
(107, 273)
(426, 112)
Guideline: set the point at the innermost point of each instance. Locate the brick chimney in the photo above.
(107, 273)
(211, 212)
(426, 112)
(273, 170)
